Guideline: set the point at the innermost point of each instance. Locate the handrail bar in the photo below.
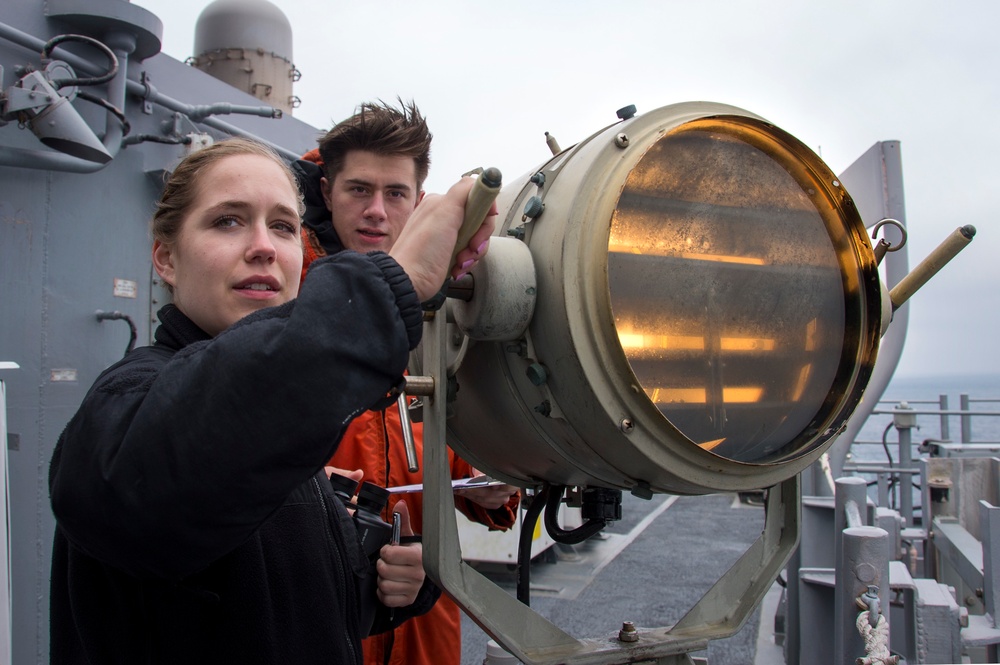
(935, 412)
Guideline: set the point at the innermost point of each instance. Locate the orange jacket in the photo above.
(373, 442)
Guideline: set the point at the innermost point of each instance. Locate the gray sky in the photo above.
(493, 77)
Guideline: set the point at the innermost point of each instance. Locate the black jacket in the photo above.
(194, 521)
(316, 218)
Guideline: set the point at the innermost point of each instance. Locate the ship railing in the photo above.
(944, 414)
(939, 592)
(897, 469)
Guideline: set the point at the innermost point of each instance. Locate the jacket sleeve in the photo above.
(167, 466)
(388, 618)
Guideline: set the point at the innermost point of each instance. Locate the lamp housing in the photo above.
(705, 311)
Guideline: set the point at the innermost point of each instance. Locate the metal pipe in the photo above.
(202, 111)
(60, 162)
(149, 93)
(853, 515)
(408, 445)
(419, 385)
(945, 252)
(937, 412)
(123, 46)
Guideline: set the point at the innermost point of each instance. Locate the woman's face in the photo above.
(239, 248)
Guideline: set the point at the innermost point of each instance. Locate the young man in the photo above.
(360, 188)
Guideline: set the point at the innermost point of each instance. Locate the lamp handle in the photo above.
(481, 197)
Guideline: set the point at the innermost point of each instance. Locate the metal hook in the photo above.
(869, 600)
(883, 245)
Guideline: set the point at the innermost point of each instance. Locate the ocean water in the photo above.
(923, 393)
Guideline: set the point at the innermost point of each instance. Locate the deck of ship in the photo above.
(649, 568)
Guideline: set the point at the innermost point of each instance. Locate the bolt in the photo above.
(545, 408)
(628, 633)
(537, 373)
(626, 112)
(626, 425)
(520, 348)
(516, 232)
(621, 140)
(533, 208)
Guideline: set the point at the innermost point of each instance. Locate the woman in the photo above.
(194, 520)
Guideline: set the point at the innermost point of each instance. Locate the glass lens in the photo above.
(727, 289)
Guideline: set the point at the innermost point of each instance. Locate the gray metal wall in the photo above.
(64, 239)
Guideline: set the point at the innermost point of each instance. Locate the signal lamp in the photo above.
(684, 302)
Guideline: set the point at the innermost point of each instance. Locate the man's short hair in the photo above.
(382, 129)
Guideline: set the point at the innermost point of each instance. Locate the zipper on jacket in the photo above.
(385, 451)
(338, 559)
(388, 638)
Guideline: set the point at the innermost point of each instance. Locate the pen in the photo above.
(394, 540)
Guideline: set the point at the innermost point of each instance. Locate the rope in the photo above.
(876, 641)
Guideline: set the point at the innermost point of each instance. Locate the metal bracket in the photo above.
(721, 612)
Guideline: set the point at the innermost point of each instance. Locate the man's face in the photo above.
(371, 199)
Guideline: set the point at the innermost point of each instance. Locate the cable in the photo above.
(111, 108)
(892, 478)
(118, 316)
(885, 443)
(168, 140)
(524, 544)
(93, 80)
(560, 535)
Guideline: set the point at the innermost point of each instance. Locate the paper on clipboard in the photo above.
(459, 484)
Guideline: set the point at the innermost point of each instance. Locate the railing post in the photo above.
(883, 489)
(848, 491)
(945, 420)
(906, 475)
(863, 562)
(989, 531)
(963, 404)
(904, 421)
